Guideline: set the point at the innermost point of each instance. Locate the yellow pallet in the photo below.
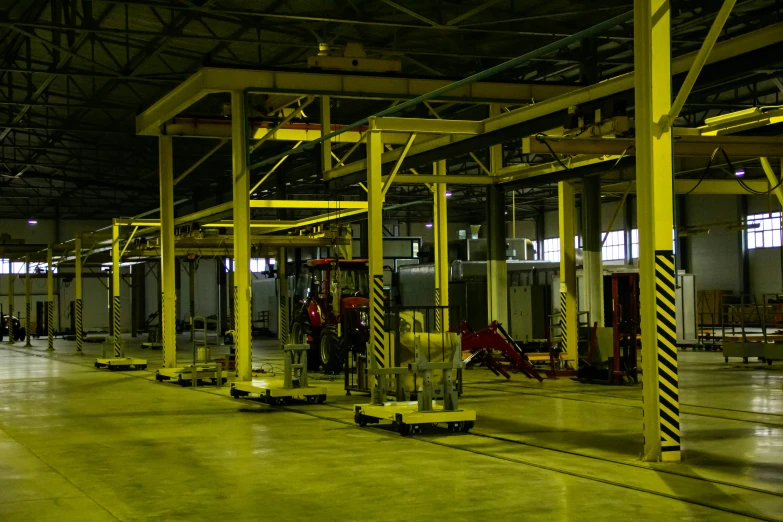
(273, 392)
(409, 419)
(121, 363)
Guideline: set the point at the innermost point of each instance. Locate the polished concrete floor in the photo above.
(82, 444)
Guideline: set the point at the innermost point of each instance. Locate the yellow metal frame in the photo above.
(167, 256)
(568, 293)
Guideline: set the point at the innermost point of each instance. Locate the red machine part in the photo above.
(494, 337)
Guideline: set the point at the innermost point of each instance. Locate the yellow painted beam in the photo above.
(726, 187)
(773, 179)
(569, 304)
(167, 257)
(406, 179)
(429, 126)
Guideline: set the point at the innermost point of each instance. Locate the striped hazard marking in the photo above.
(284, 320)
(116, 326)
(564, 319)
(378, 311)
(668, 381)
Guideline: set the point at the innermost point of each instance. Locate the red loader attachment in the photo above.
(480, 345)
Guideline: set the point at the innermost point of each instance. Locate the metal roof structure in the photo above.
(75, 73)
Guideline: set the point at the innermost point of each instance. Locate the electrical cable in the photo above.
(551, 150)
(706, 171)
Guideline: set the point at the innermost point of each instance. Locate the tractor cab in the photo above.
(331, 309)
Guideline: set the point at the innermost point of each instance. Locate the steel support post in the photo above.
(49, 301)
(652, 55)
(497, 291)
(192, 296)
(78, 290)
(591, 249)
(10, 302)
(379, 349)
(282, 280)
(242, 290)
(28, 302)
(569, 306)
(326, 128)
(440, 221)
(116, 283)
(167, 260)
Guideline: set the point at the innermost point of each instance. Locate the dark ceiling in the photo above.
(75, 73)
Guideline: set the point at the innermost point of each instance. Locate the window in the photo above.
(635, 243)
(18, 267)
(614, 246)
(552, 249)
(767, 235)
(257, 264)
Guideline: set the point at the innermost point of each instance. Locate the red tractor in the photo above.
(331, 311)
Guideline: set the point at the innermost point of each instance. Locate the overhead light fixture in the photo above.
(739, 173)
(32, 222)
(447, 194)
(428, 225)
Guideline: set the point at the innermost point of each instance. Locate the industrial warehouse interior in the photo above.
(391, 260)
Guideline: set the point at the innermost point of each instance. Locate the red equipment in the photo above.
(494, 337)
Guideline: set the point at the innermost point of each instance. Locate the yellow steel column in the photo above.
(242, 291)
(49, 301)
(115, 287)
(78, 303)
(497, 290)
(652, 54)
(28, 297)
(167, 259)
(440, 227)
(10, 301)
(326, 128)
(378, 349)
(568, 302)
(283, 282)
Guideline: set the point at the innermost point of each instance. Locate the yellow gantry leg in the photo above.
(497, 288)
(10, 302)
(115, 287)
(441, 248)
(652, 52)
(568, 297)
(49, 301)
(242, 290)
(379, 349)
(283, 292)
(28, 302)
(167, 259)
(78, 303)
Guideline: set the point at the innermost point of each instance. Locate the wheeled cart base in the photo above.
(275, 394)
(152, 346)
(121, 363)
(408, 419)
(184, 376)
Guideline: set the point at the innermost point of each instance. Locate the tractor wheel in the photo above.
(296, 335)
(329, 350)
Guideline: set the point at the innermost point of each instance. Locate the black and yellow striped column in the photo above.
(282, 279)
(666, 332)
(378, 321)
(49, 300)
(115, 314)
(564, 318)
(568, 302)
(655, 217)
(79, 330)
(10, 303)
(28, 296)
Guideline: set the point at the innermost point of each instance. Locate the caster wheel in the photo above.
(360, 419)
(726, 359)
(745, 360)
(233, 393)
(321, 399)
(455, 427)
(97, 365)
(467, 426)
(769, 362)
(404, 429)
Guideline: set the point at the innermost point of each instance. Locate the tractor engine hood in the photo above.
(356, 302)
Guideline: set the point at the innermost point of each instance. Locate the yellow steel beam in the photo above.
(698, 63)
(404, 179)
(116, 280)
(694, 187)
(734, 146)
(306, 204)
(201, 160)
(212, 80)
(78, 303)
(740, 120)
(429, 126)
(441, 250)
(271, 132)
(326, 123)
(390, 178)
(49, 299)
(273, 169)
(773, 179)
(522, 171)
(655, 215)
